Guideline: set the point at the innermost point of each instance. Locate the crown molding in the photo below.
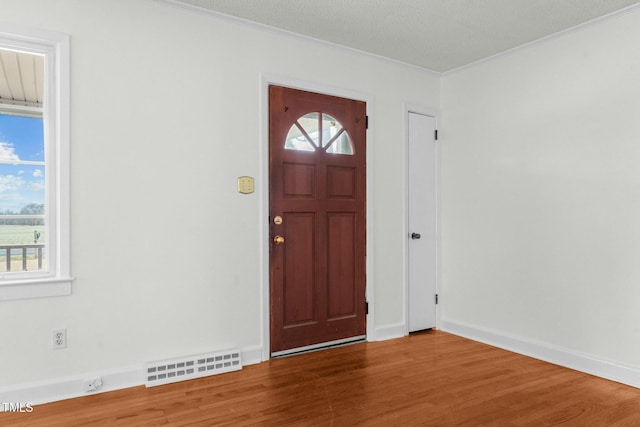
(293, 35)
(554, 36)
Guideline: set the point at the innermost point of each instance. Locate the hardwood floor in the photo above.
(427, 379)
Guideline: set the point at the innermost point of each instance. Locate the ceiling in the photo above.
(439, 35)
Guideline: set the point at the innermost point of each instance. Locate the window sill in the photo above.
(35, 288)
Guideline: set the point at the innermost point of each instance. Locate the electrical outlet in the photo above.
(59, 339)
(93, 385)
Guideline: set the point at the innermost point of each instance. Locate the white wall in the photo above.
(165, 116)
(541, 193)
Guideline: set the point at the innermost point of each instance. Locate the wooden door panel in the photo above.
(317, 276)
(298, 180)
(341, 256)
(341, 182)
(299, 268)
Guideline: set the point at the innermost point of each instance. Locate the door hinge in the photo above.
(366, 122)
(366, 307)
(436, 298)
(436, 134)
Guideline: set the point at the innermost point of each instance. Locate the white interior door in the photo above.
(422, 222)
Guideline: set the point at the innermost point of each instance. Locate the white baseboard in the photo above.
(55, 389)
(114, 379)
(251, 355)
(390, 332)
(549, 353)
(46, 391)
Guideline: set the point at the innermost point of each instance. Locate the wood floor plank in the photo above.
(426, 379)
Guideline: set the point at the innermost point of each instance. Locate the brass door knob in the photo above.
(278, 240)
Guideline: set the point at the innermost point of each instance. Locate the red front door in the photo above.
(317, 204)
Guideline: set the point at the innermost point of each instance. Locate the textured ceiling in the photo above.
(438, 35)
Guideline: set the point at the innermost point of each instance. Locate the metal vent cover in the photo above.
(186, 368)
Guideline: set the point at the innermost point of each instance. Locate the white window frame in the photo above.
(56, 281)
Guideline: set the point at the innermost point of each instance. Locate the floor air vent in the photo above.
(186, 368)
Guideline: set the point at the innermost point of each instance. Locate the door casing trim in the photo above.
(425, 111)
(286, 81)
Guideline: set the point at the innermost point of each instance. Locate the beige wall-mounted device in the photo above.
(245, 185)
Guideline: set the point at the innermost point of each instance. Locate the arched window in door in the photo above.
(319, 131)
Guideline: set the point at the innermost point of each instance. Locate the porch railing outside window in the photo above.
(28, 257)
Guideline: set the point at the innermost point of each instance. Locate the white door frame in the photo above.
(263, 186)
(418, 109)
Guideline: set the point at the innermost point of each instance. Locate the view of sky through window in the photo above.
(22, 171)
